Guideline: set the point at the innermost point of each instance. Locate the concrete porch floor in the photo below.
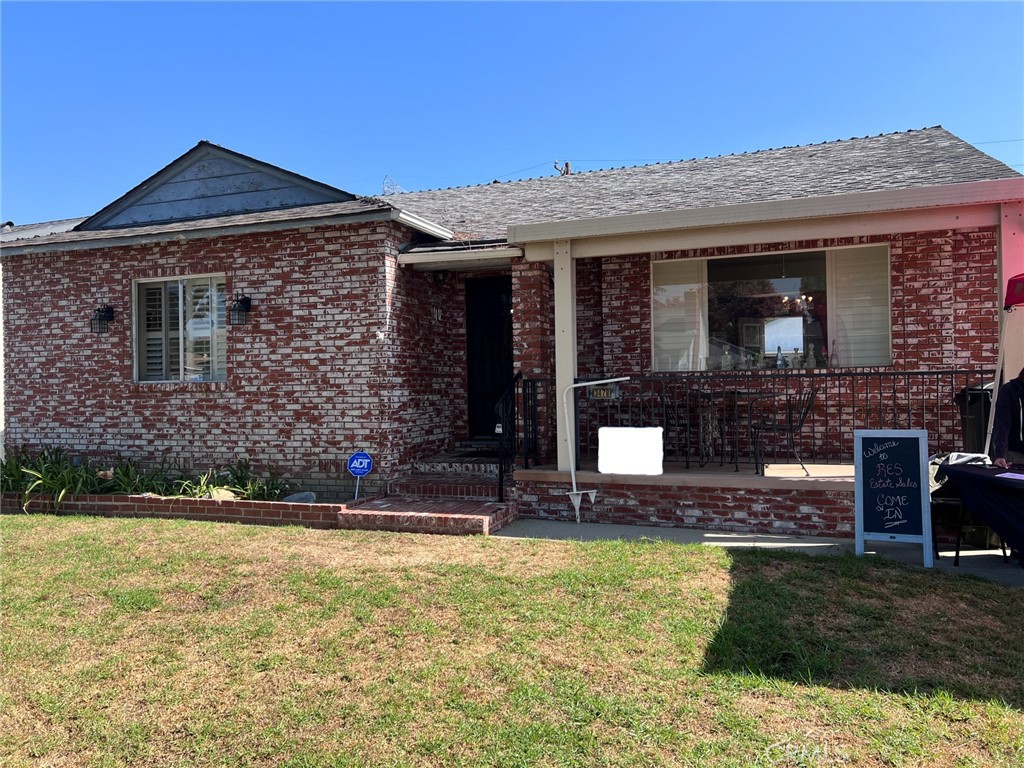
(829, 477)
(827, 471)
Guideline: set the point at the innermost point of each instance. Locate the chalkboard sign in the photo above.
(892, 495)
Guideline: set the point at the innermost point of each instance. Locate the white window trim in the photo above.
(830, 255)
(702, 276)
(137, 319)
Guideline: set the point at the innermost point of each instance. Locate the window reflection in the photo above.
(767, 311)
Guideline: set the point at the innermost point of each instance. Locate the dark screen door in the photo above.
(488, 349)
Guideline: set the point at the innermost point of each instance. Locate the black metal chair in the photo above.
(767, 417)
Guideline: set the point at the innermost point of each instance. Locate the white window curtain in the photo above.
(679, 318)
(860, 328)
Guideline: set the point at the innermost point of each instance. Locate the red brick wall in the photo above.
(589, 318)
(804, 511)
(533, 340)
(626, 331)
(428, 399)
(945, 292)
(251, 512)
(533, 319)
(341, 353)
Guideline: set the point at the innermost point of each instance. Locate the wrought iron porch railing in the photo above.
(705, 414)
(531, 421)
(507, 431)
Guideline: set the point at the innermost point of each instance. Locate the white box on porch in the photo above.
(630, 450)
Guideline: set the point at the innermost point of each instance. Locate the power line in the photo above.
(513, 173)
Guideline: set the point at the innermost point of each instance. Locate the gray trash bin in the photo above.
(974, 402)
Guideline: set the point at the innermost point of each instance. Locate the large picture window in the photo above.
(181, 329)
(794, 310)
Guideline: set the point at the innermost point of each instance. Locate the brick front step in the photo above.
(452, 486)
(419, 515)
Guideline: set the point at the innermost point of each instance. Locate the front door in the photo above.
(488, 349)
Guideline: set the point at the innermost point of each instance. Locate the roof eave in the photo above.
(475, 258)
(971, 193)
(124, 237)
(206, 228)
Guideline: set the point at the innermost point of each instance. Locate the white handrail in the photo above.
(576, 495)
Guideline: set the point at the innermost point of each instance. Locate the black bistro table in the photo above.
(993, 497)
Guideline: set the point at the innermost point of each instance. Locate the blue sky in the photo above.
(95, 97)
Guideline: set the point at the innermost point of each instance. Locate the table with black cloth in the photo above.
(996, 501)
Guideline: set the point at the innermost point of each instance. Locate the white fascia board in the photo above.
(865, 224)
(972, 193)
(423, 225)
(496, 257)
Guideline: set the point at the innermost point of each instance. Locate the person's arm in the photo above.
(1001, 424)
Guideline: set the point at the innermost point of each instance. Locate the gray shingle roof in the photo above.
(37, 235)
(922, 158)
(39, 229)
(928, 157)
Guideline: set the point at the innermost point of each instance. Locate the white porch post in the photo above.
(565, 339)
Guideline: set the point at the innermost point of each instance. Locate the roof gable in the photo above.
(210, 181)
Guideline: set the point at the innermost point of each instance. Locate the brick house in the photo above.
(226, 308)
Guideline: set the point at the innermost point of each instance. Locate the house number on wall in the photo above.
(604, 392)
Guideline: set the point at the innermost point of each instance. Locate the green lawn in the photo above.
(170, 643)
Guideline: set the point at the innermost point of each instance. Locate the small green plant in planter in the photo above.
(203, 486)
(126, 478)
(249, 485)
(53, 473)
(12, 478)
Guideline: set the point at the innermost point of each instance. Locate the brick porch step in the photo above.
(418, 515)
(448, 485)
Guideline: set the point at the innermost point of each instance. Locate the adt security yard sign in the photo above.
(359, 464)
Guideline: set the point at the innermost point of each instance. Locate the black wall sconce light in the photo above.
(101, 319)
(238, 314)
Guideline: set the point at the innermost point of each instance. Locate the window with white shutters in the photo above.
(181, 332)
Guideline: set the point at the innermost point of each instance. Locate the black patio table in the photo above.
(993, 497)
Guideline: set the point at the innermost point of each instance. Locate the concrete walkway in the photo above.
(985, 564)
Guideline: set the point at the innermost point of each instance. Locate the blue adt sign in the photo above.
(360, 464)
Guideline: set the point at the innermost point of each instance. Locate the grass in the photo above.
(173, 643)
